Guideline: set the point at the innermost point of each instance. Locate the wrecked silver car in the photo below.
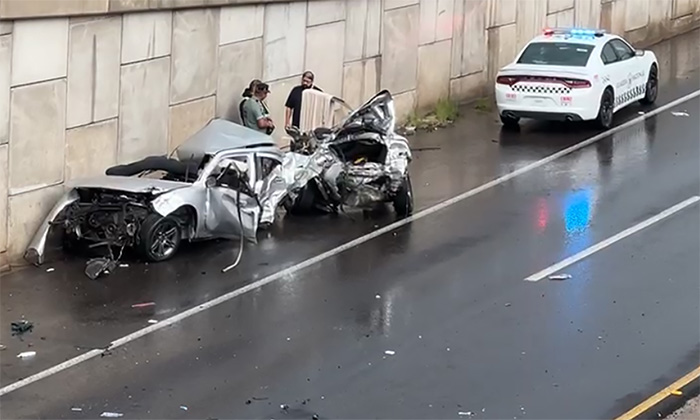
(360, 163)
(224, 181)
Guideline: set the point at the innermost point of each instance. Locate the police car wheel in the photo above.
(510, 122)
(652, 88)
(605, 111)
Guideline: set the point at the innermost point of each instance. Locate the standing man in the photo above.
(292, 112)
(255, 115)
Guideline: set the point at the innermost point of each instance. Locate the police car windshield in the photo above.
(556, 54)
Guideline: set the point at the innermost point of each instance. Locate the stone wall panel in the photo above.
(400, 50)
(396, 4)
(146, 36)
(239, 63)
(4, 191)
(26, 212)
(468, 87)
(241, 23)
(325, 46)
(474, 48)
(561, 19)
(683, 8)
(501, 48)
(6, 27)
(195, 54)
(405, 104)
(502, 12)
(532, 18)
(433, 73)
(554, 6)
(37, 135)
(91, 149)
(362, 29)
(40, 50)
(360, 81)
(143, 119)
(325, 11)
(5, 83)
(93, 71)
(587, 14)
(188, 118)
(284, 40)
(42, 8)
(637, 15)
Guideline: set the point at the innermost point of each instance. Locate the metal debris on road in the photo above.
(76, 409)
(26, 354)
(183, 407)
(123, 265)
(2, 347)
(99, 266)
(390, 352)
(560, 276)
(314, 417)
(111, 415)
(50, 270)
(21, 327)
(284, 407)
(680, 114)
(143, 305)
(377, 296)
(507, 305)
(465, 413)
(152, 321)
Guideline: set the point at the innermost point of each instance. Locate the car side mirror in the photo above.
(640, 53)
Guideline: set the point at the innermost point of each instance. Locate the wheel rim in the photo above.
(652, 85)
(165, 240)
(606, 109)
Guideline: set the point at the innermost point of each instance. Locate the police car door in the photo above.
(630, 77)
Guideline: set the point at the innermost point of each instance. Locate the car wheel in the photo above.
(403, 201)
(652, 89)
(160, 237)
(605, 110)
(305, 202)
(512, 123)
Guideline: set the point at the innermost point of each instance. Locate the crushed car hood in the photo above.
(377, 115)
(128, 184)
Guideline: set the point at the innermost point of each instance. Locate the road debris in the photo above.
(183, 408)
(465, 413)
(143, 305)
(389, 352)
(123, 265)
(76, 409)
(314, 417)
(284, 407)
(21, 327)
(377, 296)
(26, 354)
(507, 305)
(680, 114)
(111, 415)
(50, 270)
(677, 392)
(152, 321)
(2, 347)
(560, 277)
(99, 266)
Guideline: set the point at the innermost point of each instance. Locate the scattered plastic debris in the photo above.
(50, 270)
(390, 352)
(76, 409)
(143, 305)
(284, 407)
(26, 354)
(97, 267)
(680, 114)
(2, 347)
(123, 265)
(465, 413)
(560, 277)
(152, 321)
(377, 296)
(507, 305)
(111, 415)
(21, 327)
(314, 417)
(677, 392)
(641, 112)
(183, 408)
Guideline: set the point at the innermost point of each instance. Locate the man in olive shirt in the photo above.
(255, 115)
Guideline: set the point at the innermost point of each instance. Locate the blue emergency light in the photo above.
(575, 32)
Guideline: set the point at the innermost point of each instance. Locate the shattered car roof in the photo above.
(219, 135)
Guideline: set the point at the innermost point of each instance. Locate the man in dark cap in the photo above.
(292, 114)
(254, 112)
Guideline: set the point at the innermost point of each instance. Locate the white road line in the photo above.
(611, 240)
(335, 251)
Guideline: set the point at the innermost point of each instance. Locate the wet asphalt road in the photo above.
(468, 333)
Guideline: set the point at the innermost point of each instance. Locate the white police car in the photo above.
(575, 75)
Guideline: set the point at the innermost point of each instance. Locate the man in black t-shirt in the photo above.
(292, 114)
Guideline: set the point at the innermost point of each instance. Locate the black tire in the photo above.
(652, 89)
(604, 119)
(511, 123)
(305, 203)
(160, 238)
(403, 201)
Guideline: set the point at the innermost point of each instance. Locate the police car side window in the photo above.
(624, 52)
(608, 54)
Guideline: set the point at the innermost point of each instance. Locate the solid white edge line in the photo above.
(613, 239)
(335, 251)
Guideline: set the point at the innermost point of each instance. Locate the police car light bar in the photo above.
(574, 32)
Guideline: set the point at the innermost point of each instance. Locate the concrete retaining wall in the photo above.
(83, 90)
